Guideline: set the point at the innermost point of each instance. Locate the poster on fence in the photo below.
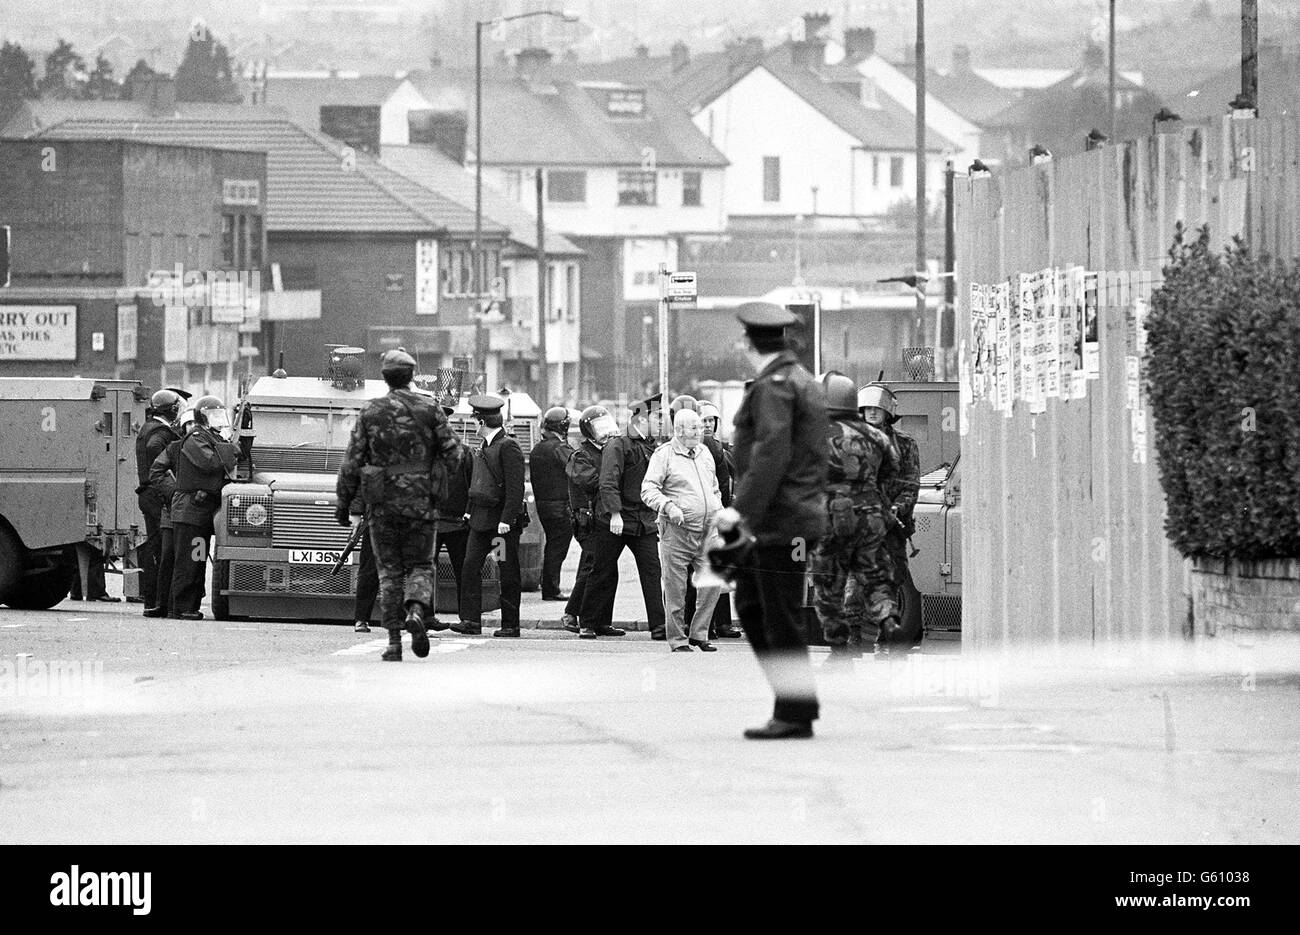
(1004, 379)
(1050, 337)
(1065, 330)
(1091, 326)
(1078, 373)
(979, 340)
(1023, 339)
(1037, 392)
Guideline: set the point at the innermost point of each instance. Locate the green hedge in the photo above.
(1223, 375)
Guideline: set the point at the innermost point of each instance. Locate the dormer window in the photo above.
(625, 102)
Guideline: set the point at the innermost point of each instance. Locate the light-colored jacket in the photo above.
(675, 477)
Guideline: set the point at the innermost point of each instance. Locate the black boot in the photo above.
(415, 623)
(394, 651)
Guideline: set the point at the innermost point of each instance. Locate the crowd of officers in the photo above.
(817, 479)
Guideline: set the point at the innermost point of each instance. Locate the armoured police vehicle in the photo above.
(277, 542)
(67, 482)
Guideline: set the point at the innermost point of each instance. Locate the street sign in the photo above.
(680, 289)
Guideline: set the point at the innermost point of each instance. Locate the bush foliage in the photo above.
(1223, 374)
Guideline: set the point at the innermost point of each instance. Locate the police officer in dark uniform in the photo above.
(155, 435)
(546, 465)
(453, 528)
(781, 454)
(205, 464)
(162, 481)
(497, 515)
(583, 474)
(397, 459)
(854, 547)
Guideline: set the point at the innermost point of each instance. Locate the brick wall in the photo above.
(1259, 596)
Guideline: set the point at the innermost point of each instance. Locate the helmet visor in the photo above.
(217, 418)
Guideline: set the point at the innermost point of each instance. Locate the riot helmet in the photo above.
(841, 394)
(877, 404)
(710, 416)
(597, 424)
(556, 419)
(166, 405)
(211, 411)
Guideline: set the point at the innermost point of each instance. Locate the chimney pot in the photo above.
(859, 43)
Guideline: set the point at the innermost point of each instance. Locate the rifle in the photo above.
(353, 540)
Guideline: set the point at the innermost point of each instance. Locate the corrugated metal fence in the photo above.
(1063, 535)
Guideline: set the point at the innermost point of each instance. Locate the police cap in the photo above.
(652, 404)
(179, 392)
(765, 318)
(484, 405)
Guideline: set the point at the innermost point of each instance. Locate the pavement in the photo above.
(118, 729)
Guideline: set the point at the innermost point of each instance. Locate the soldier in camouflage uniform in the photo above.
(397, 458)
(855, 548)
(878, 406)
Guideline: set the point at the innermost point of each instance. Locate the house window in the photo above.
(556, 300)
(771, 178)
(514, 183)
(626, 102)
(566, 186)
(637, 188)
(241, 240)
(691, 188)
(875, 171)
(227, 242)
(255, 241)
(895, 171)
(458, 271)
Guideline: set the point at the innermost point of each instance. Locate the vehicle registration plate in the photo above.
(318, 557)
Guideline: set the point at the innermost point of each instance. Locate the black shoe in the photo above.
(682, 649)
(105, 599)
(191, 615)
(392, 654)
(153, 612)
(704, 645)
(730, 633)
(419, 635)
(135, 600)
(570, 623)
(555, 597)
(361, 627)
(780, 730)
(608, 631)
(436, 624)
(659, 633)
(587, 633)
(467, 628)
(512, 632)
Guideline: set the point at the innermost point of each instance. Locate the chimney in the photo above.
(859, 43)
(157, 92)
(808, 53)
(444, 129)
(681, 56)
(961, 59)
(642, 50)
(814, 24)
(358, 127)
(532, 64)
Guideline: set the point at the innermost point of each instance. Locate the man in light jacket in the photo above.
(681, 486)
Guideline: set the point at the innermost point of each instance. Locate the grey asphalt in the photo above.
(277, 732)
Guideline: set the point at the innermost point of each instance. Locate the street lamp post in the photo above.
(476, 250)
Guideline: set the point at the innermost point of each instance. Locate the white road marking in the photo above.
(931, 709)
(241, 629)
(436, 645)
(11, 626)
(75, 619)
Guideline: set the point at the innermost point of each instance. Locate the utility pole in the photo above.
(1250, 53)
(476, 251)
(541, 296)
(921, 265)
(948, 315)
(1110, 77)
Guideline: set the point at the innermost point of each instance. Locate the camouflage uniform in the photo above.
(858, 453)
(900, 488)
(397, 459)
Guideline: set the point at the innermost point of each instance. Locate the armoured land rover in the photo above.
(67, 482)
(277, 541)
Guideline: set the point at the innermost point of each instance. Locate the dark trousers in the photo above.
(574, 607)
(403, 547)
(166, 567)
(367, 583)
(769, 602)
(150, 555)
(193, 544)
(455, 542)
(558, 528)
(896, 545)
(471, 577)
(602, 582)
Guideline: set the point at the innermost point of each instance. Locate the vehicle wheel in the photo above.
(42, 590)
(220, 582)
(909, 613)
(11, 561)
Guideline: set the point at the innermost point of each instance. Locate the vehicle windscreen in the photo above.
(303, 428)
